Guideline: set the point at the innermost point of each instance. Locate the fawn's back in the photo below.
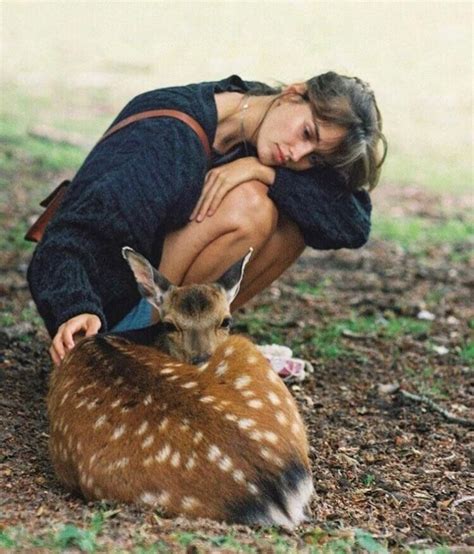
(223, 440)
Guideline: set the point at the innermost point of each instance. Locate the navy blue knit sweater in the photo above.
(143, 182)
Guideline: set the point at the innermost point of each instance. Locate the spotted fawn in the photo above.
(181, 416)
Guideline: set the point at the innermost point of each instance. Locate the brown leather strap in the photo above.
(53, 201)
(185, 118)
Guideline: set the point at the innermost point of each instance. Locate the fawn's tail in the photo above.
(282, 500)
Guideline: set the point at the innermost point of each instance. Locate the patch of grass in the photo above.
(467, 353)
(65, 537)
(405, 326)
(18, 149)
(328, 341)
(342, 541)
(436, 171)
(314, 290)
(13, 238)
(411, 232)
(368, 479)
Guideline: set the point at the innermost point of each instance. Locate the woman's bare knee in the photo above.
(250, 209)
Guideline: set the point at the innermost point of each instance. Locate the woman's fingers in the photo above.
(64, 339)
(208, 181)
(54, 355)
(93, 326)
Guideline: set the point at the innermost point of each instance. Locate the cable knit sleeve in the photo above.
(328, 216)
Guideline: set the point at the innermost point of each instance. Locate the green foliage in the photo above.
(12, 239)
(328, 340)
(368, 479)
(467, 353)
(315, 290)
(415, 233)
(6, 541)
(70, 536)
(365, 541)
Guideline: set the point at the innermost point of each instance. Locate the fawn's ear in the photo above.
(232, 278)
(152, 285)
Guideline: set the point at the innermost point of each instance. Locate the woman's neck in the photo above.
(238, 118)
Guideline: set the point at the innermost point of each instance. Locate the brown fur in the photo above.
(107, 388)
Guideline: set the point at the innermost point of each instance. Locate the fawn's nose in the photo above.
(200, 359)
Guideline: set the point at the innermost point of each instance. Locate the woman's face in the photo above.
(290, 136)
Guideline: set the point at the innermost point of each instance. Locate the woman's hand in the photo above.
(221, 180)
(88, 324)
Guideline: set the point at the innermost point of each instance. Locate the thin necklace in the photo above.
(244, 107)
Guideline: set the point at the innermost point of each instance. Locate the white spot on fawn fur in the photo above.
(214, 453)
(273, 376)
(252, 359)
(248, 393)
(167, 371)
(231, 417)
(255, 435)
(118, 432)
(197, 437)
(225, 463)
(148, 441)
(252, 488)
(281, 418)
(255, 403)
(270, 437)
(164, 424)
(207, 399)
(163, 454)
(229, 351)
(148, 461)
(189, 385)
(115, 403)
(238, 476)
(221, 369)
(143, 427)
(242, 382)
(100, 421)
(246, 423)
(295, 428)
(175, 459)
(149, 498)
(147, 400)
(274, 398)
(191, 462)
(189, 502)
(164, 497)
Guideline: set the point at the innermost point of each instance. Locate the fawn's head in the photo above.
(196, 318)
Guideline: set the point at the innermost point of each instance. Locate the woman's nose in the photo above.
(300, 150)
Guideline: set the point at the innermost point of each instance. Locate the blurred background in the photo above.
(71, 65)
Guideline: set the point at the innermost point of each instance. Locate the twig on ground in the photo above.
(461, 500)
(428, 402)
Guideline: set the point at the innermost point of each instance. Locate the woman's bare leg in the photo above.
(201, 252)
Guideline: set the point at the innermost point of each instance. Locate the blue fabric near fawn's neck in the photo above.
(143, 182)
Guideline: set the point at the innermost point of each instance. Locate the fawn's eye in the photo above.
(226, 322)
(169, 327)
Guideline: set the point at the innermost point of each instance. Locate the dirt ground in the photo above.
(381, 462)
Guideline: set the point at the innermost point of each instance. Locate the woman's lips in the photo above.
(279, 157)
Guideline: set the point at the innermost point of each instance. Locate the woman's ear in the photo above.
(295, 89)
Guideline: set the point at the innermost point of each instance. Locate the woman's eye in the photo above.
(307, 133)
(226, 322)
